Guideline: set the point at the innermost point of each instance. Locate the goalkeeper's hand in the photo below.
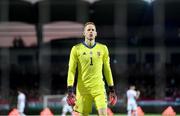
(71, 98)
(112, 96)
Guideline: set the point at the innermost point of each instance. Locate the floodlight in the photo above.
(32, 1)
(149, 1)
(91, 1)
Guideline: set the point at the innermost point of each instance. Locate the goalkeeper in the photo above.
(91, 60)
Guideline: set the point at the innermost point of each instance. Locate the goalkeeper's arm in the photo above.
(71, 75)
(109, 78)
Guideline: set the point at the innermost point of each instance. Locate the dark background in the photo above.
(143, 40)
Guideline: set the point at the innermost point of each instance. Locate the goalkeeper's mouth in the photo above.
(90, 37)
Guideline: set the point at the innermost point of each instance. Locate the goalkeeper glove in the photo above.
(71, 98)
(112, 96)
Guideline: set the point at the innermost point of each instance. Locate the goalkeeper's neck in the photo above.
(90, 43)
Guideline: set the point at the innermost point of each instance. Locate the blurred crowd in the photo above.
(142, 75)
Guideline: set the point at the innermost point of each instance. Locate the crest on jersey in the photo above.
(84, 53)
(98, 53)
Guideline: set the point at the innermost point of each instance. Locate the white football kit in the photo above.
(66, 107)
(131, 100)
(21, 103)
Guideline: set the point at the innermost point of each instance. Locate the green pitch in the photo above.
(144, 115)
(126, 115)
(147, 115)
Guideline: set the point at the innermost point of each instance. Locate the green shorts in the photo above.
(84, 102)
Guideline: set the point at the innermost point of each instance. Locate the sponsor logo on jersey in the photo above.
(98, 53)
(84, 53)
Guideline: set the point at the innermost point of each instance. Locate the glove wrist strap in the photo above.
(70, 89)
(111, 89)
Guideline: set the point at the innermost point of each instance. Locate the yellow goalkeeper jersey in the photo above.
(91, 63)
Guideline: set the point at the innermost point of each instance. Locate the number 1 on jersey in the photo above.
(91, 61)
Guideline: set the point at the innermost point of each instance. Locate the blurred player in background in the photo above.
(91, 60)
(21, 101)
(66, 108)
(132, 95)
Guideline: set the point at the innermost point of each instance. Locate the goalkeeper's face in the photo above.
(90, 32)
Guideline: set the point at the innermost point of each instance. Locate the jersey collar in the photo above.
(88, 46)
